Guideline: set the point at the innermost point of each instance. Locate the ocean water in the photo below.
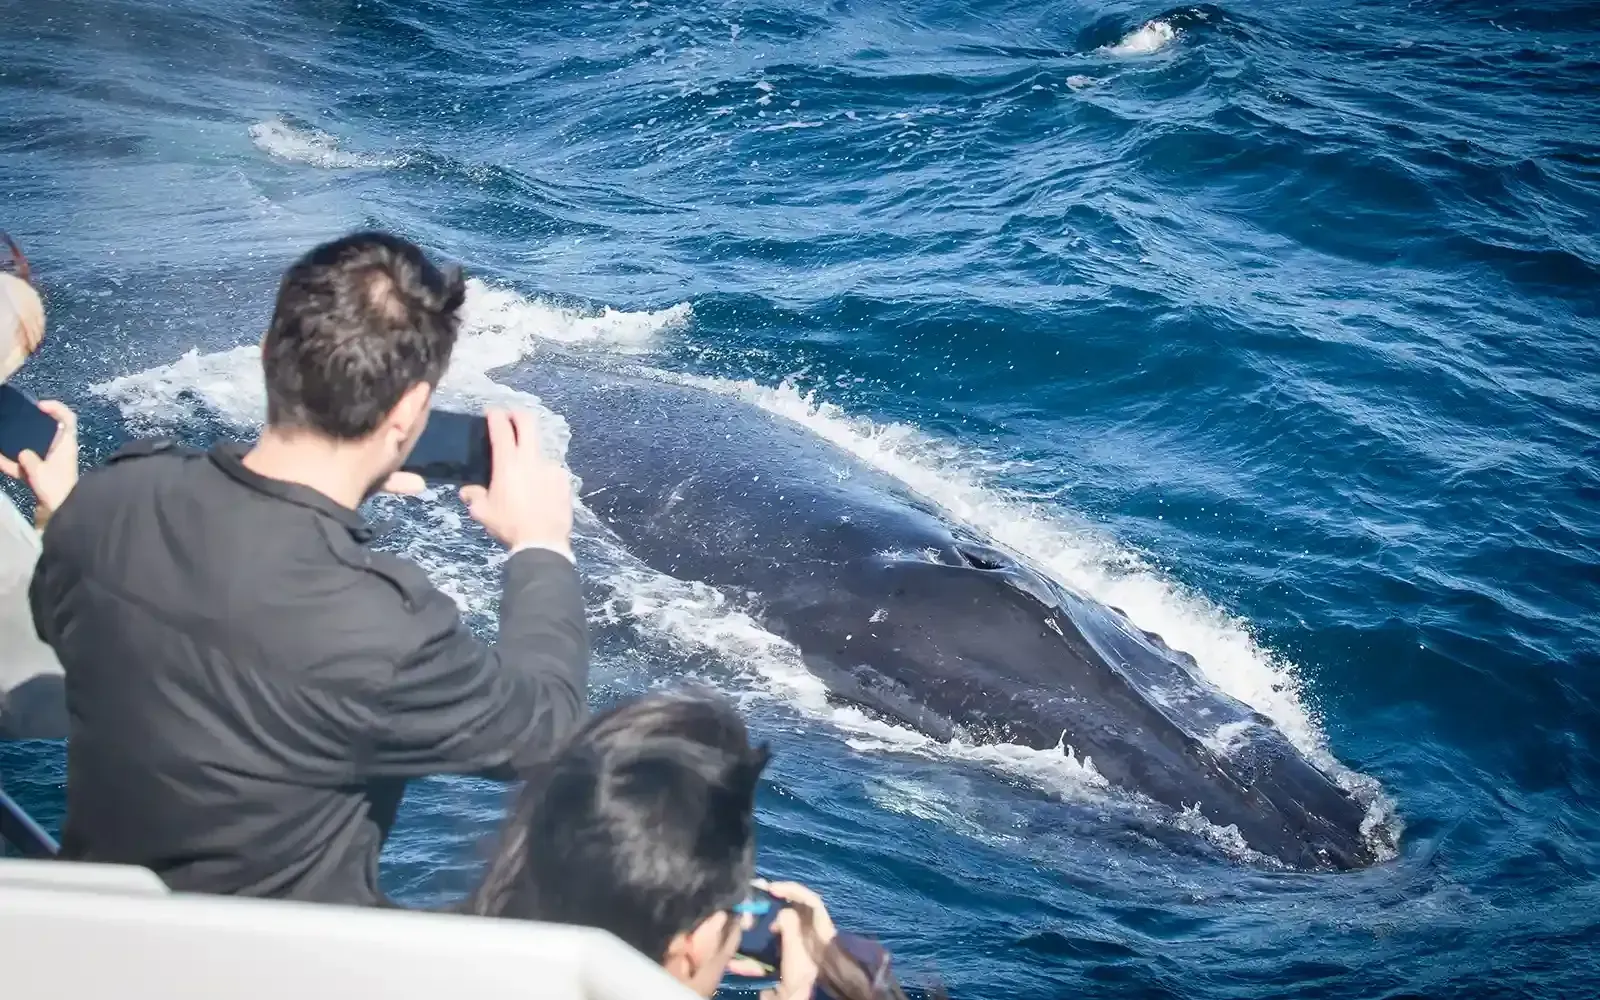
(1276, 325)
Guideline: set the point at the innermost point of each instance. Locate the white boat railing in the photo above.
(72, 929)
(19, 830)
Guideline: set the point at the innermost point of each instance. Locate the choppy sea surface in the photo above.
(1276, 325)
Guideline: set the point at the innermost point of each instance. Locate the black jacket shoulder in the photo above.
(403, 576)
(147, 447)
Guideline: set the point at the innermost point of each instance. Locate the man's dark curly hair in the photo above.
(358, 321)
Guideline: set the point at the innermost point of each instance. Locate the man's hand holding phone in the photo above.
(528, 502)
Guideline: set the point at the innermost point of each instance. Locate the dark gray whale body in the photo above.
(906, 615)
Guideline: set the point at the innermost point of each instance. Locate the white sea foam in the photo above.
(1148, 38)
(1227, 838)
(501, 327)
(312, 146)
(790, 126)
(501, 320)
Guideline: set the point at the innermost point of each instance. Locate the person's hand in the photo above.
(51, 478)
(529, 498)
(406, 484)
(804, 930)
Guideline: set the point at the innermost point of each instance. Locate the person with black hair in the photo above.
(643, 825)
(250, 685)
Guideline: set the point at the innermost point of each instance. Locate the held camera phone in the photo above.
(761, 942)
(453, 448)
(23, 426)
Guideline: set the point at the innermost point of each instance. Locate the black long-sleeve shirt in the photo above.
(250, 685)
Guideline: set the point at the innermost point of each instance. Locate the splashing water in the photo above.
(293, 143)
(1148, 39)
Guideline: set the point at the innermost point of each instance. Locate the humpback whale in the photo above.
(907, 614)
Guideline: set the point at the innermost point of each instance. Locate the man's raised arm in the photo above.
(460, 705)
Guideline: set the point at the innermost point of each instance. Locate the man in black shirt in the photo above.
(250, 685)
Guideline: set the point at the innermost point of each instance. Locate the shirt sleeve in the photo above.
(459, 705)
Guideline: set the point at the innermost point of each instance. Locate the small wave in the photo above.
(1147, 39)
(297, 143)
(790, 126)
(514, 323)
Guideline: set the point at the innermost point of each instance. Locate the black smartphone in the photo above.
(761, 942)
(453, 448)
(23, 426)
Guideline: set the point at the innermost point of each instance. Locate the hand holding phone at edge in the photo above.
(529, 498)
(805, 929)
(52, 477)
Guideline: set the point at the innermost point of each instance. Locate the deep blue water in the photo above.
(1278, 324)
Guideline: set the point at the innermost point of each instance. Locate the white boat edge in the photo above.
(74, 929)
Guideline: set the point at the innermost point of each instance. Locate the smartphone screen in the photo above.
(23, 426)
(453, 448)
